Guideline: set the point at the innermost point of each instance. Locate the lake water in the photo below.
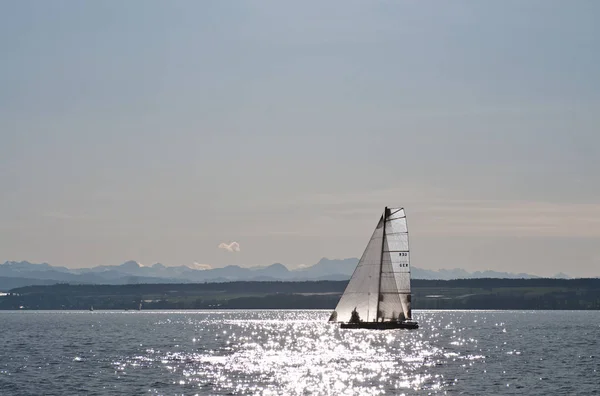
(297, 353)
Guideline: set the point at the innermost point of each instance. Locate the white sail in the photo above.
(384, 271)
(362, 289)
(395, 268)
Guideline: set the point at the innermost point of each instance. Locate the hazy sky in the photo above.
(157, 130)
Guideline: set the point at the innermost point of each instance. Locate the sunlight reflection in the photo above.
(298, 352)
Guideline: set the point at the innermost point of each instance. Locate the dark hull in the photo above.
(381, 325)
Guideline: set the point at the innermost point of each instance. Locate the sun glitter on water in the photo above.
(299, 353)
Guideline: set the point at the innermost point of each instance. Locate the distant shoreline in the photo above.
(478, 294)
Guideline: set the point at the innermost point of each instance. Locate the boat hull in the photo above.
(381, 325)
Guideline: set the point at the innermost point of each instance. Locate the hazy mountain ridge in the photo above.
(134, 272)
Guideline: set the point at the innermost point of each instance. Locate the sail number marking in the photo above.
(403, 254)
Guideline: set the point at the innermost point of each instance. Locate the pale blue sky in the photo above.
(155, 130)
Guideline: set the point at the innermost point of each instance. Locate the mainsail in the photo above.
(379, 289)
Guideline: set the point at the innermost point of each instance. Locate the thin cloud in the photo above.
(516, 218)
(232, 247)
(363, 200)
(59, 215)
(66, 216)
(343, 215)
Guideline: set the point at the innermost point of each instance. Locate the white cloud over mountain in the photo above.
(231, 247)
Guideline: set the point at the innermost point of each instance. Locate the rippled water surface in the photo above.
(297, 353)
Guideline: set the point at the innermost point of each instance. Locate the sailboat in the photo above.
(378, 294)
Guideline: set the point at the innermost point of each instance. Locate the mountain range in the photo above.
(23, 273)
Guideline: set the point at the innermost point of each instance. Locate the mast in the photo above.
(381, 264)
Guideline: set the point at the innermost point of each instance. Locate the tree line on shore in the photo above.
(485, 293)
